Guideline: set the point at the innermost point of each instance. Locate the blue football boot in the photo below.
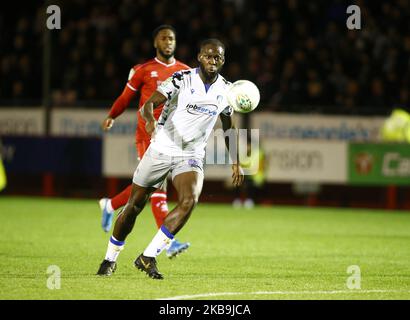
(176, 248)
(107, 217)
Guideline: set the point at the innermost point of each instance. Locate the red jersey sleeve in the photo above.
(135, 80)
(121, 103)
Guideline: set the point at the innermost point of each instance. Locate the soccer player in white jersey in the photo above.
(194, 99)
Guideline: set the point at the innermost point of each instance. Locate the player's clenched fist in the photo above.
(107, 124)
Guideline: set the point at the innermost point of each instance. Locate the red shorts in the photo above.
(142, 146)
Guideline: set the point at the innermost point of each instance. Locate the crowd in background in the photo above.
(299, 53)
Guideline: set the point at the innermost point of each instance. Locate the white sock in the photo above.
(158, 243)
(110, 209)
(114, 248)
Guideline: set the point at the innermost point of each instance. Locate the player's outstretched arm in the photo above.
(147, 110)
(231, 142)
(118, 107)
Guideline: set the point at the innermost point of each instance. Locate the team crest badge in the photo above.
(219, 99)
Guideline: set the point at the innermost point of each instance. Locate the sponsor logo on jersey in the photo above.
(154, 74)
(209, 110)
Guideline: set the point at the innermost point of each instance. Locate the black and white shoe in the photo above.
(149, 266)
(107, 268)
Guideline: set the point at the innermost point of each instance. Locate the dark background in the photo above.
(299, 53)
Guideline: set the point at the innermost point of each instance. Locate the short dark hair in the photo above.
(163, 27)
(212, 41)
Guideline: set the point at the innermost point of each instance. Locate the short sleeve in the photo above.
(170, 87)
(228, 111)
(135, 78)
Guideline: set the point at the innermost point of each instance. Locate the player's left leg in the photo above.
(188, 186)
(159, 208)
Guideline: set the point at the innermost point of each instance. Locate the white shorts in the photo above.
(155, 166)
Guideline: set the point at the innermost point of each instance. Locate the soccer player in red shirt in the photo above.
(145, 77)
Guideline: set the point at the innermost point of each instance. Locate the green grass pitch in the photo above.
(264, 253)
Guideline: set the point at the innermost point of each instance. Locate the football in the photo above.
(243, 96)
(396, 128)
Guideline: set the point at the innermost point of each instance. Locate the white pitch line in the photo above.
(216, 294)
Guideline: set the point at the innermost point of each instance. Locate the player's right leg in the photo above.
(123, 226)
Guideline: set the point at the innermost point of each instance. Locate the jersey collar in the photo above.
(216, 80)
(206, 87)
(164, 64)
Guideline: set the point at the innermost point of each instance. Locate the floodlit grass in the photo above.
(263, 253)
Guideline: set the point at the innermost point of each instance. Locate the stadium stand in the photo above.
(300, 53)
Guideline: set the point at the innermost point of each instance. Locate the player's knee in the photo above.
(187, 203)
(138, 201)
